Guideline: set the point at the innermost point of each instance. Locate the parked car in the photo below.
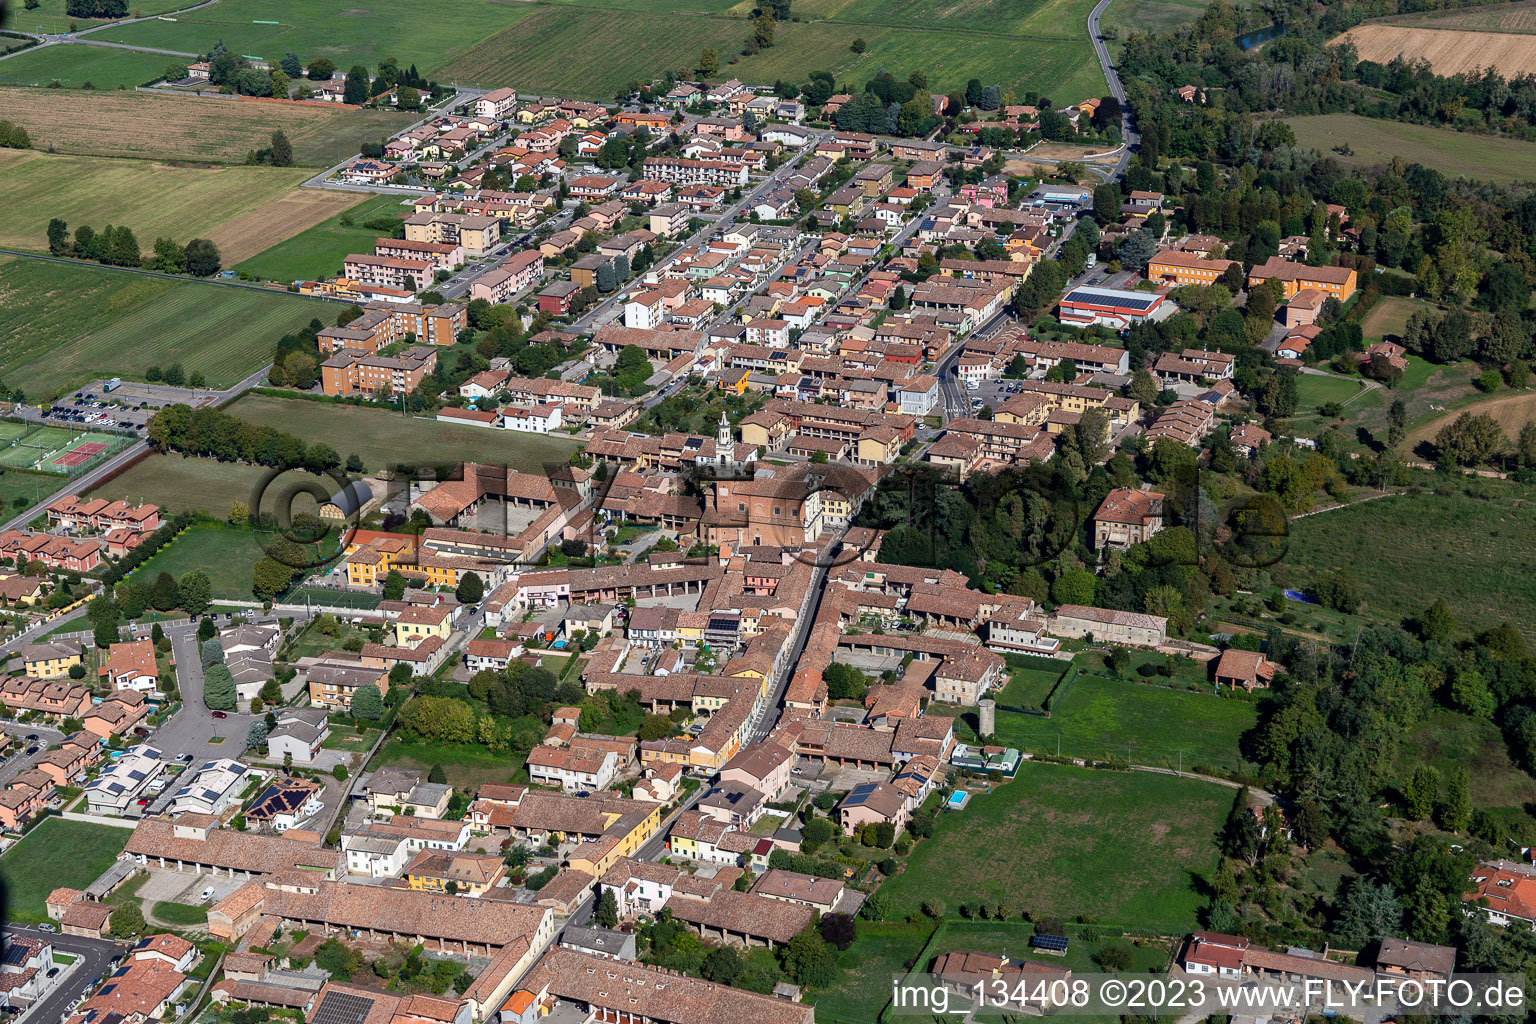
(219, 714)
(205, 895)
(46, 927)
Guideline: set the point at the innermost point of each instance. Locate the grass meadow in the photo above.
(1458, 154)
(383, 439)
(74, 65)
(1128, 849)
(183, 484)
(319, 251)
(242, 209)
(61, 325)
(1410, 549)
(226, 555)
(172, 127)
(55, 853)
(1099, 718)
(1448, 740)
(50, 18)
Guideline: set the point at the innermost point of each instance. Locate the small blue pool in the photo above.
(957, 800)
(1300, 597)
(558, 645)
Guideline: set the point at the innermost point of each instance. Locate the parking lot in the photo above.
(166, 886)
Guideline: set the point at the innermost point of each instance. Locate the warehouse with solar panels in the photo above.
(1114, 307)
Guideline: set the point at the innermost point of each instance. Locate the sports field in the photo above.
(1127, 848)
(318, 252)
(1458, 154)
(242, 209)
(180, 484)
(62, 324)
(1034, 45)
(174, 127)
(54, 854)
(73, 65)
(53, 449)
(383, 439)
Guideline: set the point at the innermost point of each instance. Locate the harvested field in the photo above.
(155, 199)
(1511, 412)
(1448, 51)
(282, 218)
(217, 128)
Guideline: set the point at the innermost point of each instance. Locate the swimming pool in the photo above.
(957, 800)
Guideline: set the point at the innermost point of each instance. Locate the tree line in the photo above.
(119, 247)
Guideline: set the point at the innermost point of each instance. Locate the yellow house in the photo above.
(876, 447)
(729, 381)
(52, 660)
(624, 835)
(433, 870)
(417, 623)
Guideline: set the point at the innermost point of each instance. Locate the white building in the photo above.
(299, 733)
(535, 419)
(574, 769)
(375, 856)
(125, 781)
(645, 310)
(213, 787)
(499, 103)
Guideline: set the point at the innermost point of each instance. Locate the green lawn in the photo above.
(466, 765)
(227, 555)
(1127, 848)
(318, 252)
(49, 17)
(181, 914)
(24, 485)
(383, 439)
(1409, 549)
(73, 65)
(56, 853)
(63, 325)
(1458, 154)
(1151, 16)
(1313, 390)
(183, 484)
(1028, 687)
(1098, 718)
(863, 987)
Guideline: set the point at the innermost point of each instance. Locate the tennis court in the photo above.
(53, 446)
(11, 430)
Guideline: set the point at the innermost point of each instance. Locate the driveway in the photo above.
(95, 962)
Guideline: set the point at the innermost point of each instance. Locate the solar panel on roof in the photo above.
(342, 1008)
(15, 956)
(1055, 942)
(1103, 297)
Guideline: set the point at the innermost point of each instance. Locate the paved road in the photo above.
(319, 180)
(21, 761)
(96, 957)
(600, 313)
(1112, 79)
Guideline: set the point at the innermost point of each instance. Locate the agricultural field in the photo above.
(1389, 317)
(1055, 841)
(1500, 17)
(1409, 549)
(1373, 141)
(383, 439)
(319, 251)
(242, 209)
(183, 484)
(74, 65)
(63, 324)
(1449, 51)
(56, 853)
(1151, 16)
(170, 127)
(343, 31)
(900, 35)
(1099, 718)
